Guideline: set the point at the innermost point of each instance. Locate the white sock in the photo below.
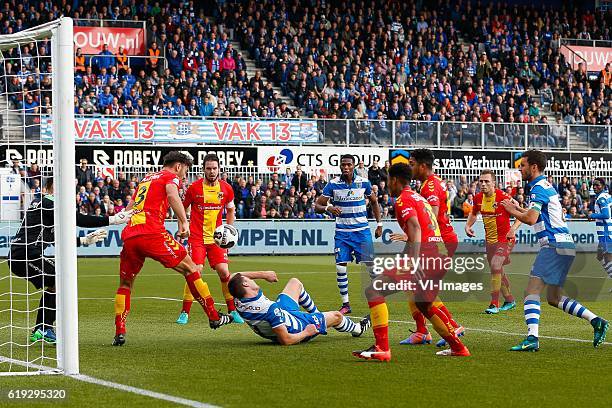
(607, 267)
(342, 280)
(573, 307)
(531, 309)
(307, 303)
(349, 326)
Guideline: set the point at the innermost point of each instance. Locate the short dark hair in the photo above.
(177, 157)
(347, 156)
(536, 157)
(235, 286)
(211, 157)
(488, 171)
(423, 156)
(600, 180)
(401, 171)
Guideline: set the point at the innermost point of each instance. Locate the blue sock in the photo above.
(532, 314)
(342, 279)
(307, 303)
(607, 267)
(571, 306)
(348, 326)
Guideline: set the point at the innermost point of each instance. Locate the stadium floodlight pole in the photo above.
(65, 216)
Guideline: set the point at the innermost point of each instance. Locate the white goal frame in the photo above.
(62, 59)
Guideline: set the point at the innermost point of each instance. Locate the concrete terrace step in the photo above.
(251, 68)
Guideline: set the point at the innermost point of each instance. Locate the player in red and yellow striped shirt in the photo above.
(423, 239)
(145, 236)
(433, 189)
(208, 197)
(499, 236)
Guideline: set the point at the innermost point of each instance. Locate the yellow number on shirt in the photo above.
(143, 189)
(433, 220)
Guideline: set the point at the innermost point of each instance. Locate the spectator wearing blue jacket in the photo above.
(175, 63)
(207, 107)
(311, 214)
(30, 104)
(428, 59)
(129, 77)
(105, 58)
(105, 98)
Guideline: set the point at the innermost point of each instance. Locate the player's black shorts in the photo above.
(36, 268)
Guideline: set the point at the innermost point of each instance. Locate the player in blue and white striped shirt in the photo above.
(353, 238)
(603, 222)
(282, 321)
(556, 255)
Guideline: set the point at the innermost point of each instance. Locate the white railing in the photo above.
(396, 133)
(585, 42)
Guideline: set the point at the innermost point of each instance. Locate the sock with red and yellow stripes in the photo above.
(438, 303)
(187, 299)
(418, 317)
(380, 322)
(122, 309)
(200, 292)
(229, 299)
(443, 327)
(496, 282)
(505, 288)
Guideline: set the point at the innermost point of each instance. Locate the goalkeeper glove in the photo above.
(120, 218)
(93, 237)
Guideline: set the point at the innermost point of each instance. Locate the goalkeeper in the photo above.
(27, 260)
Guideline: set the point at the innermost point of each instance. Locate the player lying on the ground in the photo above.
(556, 255)
(208, 197)
(603, 221)
(27, 260)
(145, 236)
(282, 321)
(415, 217)
(499, 237)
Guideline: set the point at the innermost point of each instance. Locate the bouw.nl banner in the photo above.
(128, 130)
(595, 58)
(91, 40)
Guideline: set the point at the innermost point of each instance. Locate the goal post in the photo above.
(65, 213)
(20, 355)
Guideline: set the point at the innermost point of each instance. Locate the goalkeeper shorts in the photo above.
(34, 267)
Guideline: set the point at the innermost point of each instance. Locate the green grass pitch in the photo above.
(233, 367)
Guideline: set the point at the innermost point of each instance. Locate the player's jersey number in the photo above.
(139, 203)
(141, 196)
(442, 250)
(433, 222)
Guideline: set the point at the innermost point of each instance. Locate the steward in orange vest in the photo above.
(122, 60)
(153, 53)
(79, 62)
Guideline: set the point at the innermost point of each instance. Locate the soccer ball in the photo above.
(226, 236)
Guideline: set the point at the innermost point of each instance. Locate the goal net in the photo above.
(38, 292)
